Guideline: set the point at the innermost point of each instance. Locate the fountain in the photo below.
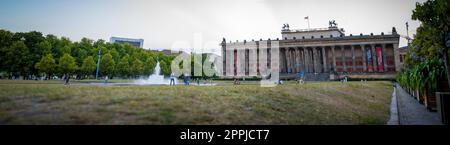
(155, 78)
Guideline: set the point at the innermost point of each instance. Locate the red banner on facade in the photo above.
(380, 66)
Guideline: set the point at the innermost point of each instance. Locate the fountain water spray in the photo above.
(155, 78)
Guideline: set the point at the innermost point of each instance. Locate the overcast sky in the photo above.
(161, 23)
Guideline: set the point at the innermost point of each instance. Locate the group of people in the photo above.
(186, 80)
(236, 81)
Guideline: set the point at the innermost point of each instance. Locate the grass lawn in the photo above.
(50, 102)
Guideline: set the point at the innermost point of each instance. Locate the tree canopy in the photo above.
(67, 64)
(427, 60)
(88, 67)
(47, 65)
(107, 65)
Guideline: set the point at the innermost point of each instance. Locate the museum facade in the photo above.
(320, 54)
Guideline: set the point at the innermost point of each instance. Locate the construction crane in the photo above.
(407, 33)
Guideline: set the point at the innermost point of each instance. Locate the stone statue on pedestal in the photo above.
(332, 24)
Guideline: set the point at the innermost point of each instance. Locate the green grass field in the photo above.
(50, 102)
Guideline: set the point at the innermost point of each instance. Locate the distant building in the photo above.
(135, 42)
(166, 52)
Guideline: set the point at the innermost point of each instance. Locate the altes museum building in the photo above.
(320, 54)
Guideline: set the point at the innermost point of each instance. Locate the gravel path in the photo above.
(411, 112)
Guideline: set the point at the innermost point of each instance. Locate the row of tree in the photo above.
(31, 55)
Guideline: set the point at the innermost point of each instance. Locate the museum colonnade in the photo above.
(338, 58)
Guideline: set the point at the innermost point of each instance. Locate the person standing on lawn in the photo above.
(172, 79)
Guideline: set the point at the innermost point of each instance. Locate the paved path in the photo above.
(394, 110)
(411, 112)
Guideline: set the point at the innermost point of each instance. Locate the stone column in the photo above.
(304, 59)
(286, 65)
(240, 61)
(353, 58)
(364, 58)
(288, 59)
(282, 60)
(343, 57)
(293, 56)
(230, 64)
(383, 50)
(374, 58)
(310, 61)
(297, 54)
(324, 57)
(334, 57)
(300, 58)
(224, 58)
(306, 52)
(300, 62)
(397, 64)
(294, 62)
(314, 52)
(319, 60)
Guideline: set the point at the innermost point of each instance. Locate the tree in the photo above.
(5, 41)
(137, 67)
(149, 65)
(55, 43)
(99, 43)
(434, 32)
(67, 64)
(31, 40)
(17, 58)
(5, 38)
(115, 54)
(66, 50)
(123, 67)
(86, 44)
(45, 48)
(47, 65)
(107, 65)
(88, 67)
(78, 52)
